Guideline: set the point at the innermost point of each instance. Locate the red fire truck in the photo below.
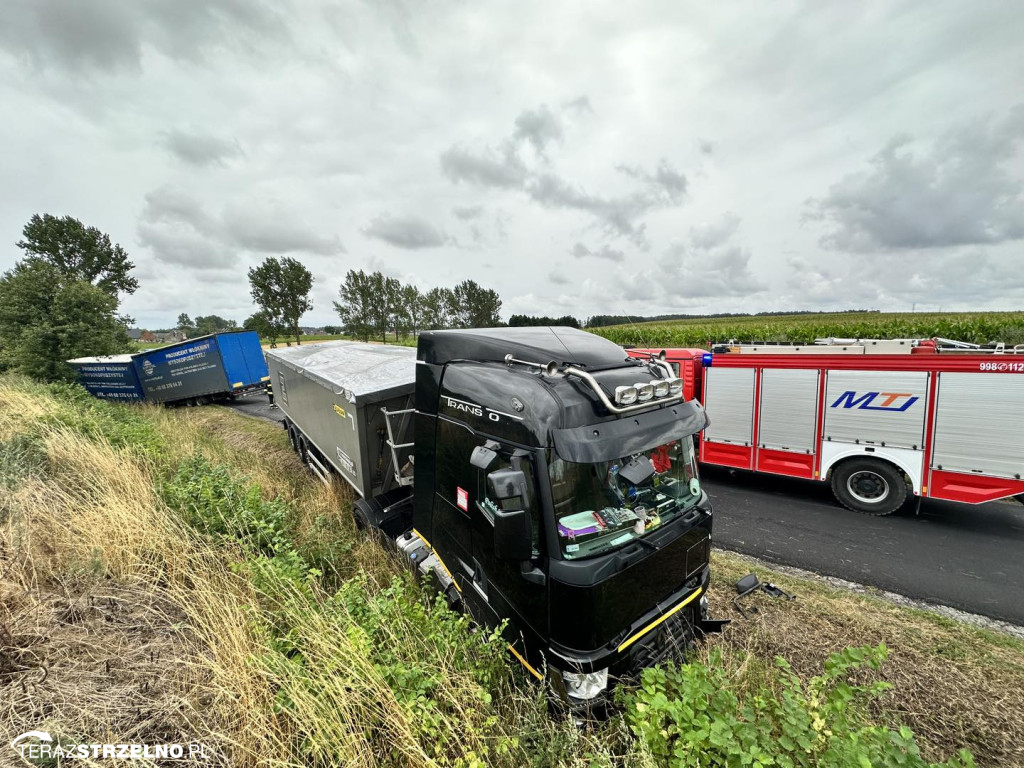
(880, 420)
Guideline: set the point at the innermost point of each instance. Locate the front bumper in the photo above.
(668, 634)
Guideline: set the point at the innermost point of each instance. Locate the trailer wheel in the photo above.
(303, 449)
(869, 486)
(292, 439)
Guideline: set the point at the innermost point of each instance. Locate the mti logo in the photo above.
(876, 401)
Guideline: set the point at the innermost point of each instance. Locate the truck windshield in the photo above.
(607, 504)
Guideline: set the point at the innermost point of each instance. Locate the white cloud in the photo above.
(432, 143)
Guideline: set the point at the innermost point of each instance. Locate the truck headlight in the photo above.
(675, 386)
(660, 388)
(585, 685)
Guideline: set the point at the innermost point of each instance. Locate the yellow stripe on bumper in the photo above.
(658, 621)
(525, 663)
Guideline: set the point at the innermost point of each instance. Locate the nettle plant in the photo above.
(692, 715)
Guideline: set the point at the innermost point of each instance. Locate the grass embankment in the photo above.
(173, 576)
(973, 327)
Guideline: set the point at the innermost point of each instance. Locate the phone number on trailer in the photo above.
(1002, 367)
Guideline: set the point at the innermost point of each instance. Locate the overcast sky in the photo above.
(577, 157)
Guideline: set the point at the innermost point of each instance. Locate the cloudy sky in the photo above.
(577, 157)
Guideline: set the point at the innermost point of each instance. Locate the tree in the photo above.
(46, 319)
(264, 325)
(207, 324)
(185, 325)
(436, 308)
(412, 308)
(385, 302)
(280, 287)
(476, 307)
(356, 306)
(78, 253)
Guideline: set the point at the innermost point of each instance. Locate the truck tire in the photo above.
(869, 486)
(367, 517)
(303, 449)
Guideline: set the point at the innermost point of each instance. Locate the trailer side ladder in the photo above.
(396, 447)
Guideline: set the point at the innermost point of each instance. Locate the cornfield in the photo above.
(974, 327)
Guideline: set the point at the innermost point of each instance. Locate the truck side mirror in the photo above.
(513, 539)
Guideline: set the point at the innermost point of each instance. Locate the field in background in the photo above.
(973, 327)
(176, 575)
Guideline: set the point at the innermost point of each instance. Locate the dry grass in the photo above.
(954, 685)
(147, 632)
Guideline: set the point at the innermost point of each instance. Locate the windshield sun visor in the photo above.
(612, 439)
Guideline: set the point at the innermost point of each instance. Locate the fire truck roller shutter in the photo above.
(789, 409)
(729, 400)
(979, 424)
(881, 408)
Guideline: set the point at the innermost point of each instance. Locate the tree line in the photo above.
(531, 320)
(600, 321)
(373, 304)
(61, 301)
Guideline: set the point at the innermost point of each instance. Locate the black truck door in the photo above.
(508, 593)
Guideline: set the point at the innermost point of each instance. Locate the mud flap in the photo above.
(708, 626)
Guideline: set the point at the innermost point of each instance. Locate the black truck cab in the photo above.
(556, 485)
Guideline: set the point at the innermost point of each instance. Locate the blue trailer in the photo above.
(202, 369)
(112, 377)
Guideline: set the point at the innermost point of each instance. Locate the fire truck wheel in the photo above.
(869, 486)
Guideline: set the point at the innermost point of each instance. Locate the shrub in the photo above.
(216, 504)
(695, 714)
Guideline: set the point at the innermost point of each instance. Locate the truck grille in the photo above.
(670, 640)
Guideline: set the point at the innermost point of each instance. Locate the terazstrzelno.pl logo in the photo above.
(40, 745)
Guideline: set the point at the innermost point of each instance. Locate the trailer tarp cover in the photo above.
(362, 373)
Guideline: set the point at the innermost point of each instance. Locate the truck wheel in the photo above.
(303, 450)
(869, 486)
(362, 513)
(293, 440)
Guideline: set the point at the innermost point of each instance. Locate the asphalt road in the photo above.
(965, 556)
(257, 406)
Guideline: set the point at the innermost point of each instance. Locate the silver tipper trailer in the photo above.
(354, 403)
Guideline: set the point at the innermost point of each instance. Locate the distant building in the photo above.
(170, 337)
(308, 331)
(156, 337)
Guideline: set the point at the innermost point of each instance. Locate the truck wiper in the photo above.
(647, 543)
